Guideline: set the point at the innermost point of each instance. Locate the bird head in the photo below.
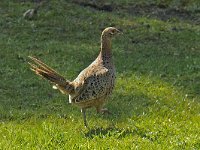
(110, 32)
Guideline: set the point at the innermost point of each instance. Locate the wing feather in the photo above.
(94, 85)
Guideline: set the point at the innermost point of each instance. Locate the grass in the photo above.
(156, 101)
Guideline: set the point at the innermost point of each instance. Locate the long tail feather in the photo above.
(48, 73)
(43, 65)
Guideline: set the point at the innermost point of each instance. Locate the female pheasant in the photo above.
(93, 85)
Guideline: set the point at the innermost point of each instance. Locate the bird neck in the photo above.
(106, 46)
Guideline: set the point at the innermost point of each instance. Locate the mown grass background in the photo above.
(156, 101)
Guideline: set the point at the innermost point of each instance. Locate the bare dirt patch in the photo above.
(158, 11)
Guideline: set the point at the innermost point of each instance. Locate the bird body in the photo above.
(93, 85)
(30, 14)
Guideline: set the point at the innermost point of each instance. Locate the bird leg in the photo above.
(83, 111)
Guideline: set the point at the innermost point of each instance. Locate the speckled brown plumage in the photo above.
(93, 85)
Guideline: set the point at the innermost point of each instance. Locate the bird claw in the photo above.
(105, 111)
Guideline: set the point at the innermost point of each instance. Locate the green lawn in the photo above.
(156, 101)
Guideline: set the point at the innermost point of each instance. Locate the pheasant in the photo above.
(32, 13)
(93, 85)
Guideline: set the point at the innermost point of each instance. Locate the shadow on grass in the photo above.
(118, 133)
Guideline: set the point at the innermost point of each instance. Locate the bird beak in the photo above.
(119, 32)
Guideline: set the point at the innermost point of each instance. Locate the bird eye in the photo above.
(112, 31)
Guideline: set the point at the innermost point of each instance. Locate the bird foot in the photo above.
(105, 111)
